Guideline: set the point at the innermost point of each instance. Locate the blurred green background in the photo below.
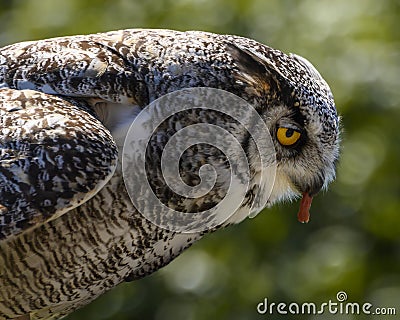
(352, 243)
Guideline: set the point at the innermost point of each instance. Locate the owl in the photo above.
(70, 227)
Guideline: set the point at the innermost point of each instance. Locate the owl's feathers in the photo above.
(54, 156)
(65, 106)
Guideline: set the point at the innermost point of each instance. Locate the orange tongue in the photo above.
(304, 213)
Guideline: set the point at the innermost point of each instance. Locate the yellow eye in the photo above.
(287, 136)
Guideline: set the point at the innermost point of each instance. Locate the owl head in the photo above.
(297, 105)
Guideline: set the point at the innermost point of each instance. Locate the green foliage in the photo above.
(353, 240)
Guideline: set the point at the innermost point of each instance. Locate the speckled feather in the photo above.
(54, 156)
(63, 250)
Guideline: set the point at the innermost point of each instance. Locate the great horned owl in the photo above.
(68, 229)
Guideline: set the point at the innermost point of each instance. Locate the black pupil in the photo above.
(289, 133)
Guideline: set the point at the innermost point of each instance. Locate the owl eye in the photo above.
(287, 136)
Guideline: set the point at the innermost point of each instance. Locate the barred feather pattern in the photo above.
(68, 262)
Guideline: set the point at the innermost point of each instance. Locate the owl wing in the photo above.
(79, 66)
(54, 155)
